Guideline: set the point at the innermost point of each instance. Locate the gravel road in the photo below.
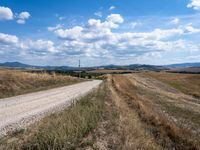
(19, 111)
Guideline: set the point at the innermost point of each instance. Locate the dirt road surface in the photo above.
(20, 111)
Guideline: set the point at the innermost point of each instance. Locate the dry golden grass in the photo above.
(166, 132)
(15, 82)
(186, 83)
(127, 112)
(132, 131)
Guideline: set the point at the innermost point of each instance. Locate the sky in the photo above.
(99, 32)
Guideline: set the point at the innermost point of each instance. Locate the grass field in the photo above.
(134, 111)
(171, 116)
(16, 82)
(186, 83)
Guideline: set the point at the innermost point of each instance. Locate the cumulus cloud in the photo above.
(112, 8)
(8, 45)
(191, 30)
(22, 17)
(40, 46)
(93, 29)
(115, 18)
(6, 13)
(11, 44)
(69, 34)
(195, 4)
(20, 21)
(98, 39)
(8, 39)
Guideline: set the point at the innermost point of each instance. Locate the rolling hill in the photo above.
(113, 67)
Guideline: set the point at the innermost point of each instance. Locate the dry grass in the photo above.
(186, 83)
(15, 82)
(166, 132)
(133, 132)
(101, 120)
(127, 112)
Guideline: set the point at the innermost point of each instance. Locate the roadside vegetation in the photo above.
(16, 82)
(62, 130)
(78, 74)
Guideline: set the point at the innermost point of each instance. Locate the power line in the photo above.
(79, 65)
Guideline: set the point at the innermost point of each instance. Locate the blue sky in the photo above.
(100, 32)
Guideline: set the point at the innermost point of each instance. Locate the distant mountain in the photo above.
(14, 65)
(26, 66)
(123, 67)
(133, 67)
(184, 65)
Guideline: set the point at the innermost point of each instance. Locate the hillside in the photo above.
(15, 82)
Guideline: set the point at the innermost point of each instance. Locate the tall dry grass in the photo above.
(15, 82)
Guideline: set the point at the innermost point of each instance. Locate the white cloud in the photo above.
(8, 39)
(22, 17)
(165, 33)
(40, 46)
(95, 28)
(8, 45)
(104, 41)
(115, 18)
(6, 13)
(195, 4)
(191, 30)
(21, 21)
(12, 45)
(112, 8)
(69, 33)
(99, 14)
(97, 39)
(175, 21)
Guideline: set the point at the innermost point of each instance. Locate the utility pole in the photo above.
(79, 65)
